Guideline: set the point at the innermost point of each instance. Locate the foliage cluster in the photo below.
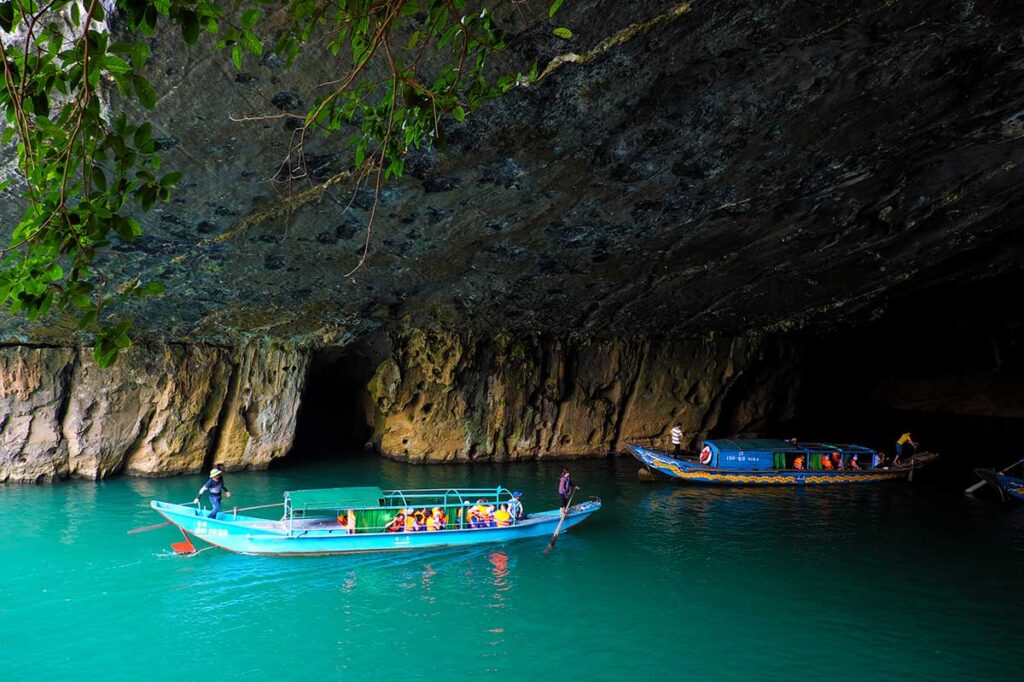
(87, 172)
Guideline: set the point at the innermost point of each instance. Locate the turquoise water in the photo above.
(888, 582)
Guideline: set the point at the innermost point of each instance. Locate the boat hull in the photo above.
(1008, 486)
(690, 472)
(248, 535)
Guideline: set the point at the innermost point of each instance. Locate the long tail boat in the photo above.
(1008, 486)
(777, 462)
(316, 522)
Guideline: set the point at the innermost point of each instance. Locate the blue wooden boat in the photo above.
(1008, 486)
(312, 522)
(777, 462)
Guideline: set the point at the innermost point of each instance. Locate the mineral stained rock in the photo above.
(165, 409)
(450, 397)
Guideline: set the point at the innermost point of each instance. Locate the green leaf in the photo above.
(555, 6)
(171, 179)
(563, 32)
(459, 113)
(144, 91)
(7, 15)
(152, 289)
(252, 44)
(236, 56)
(250, 18)
(104, 353)
(189, 27)
(140, 53)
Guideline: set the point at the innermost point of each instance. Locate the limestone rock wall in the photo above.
(162, 409)
(456, 397)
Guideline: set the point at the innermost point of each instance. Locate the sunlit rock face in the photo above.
(450, 397)
(611, 248)
(165, 409)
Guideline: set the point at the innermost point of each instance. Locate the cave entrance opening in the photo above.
(334, 417)
(945, 363)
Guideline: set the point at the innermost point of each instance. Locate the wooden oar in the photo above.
(558, 528)
(133, 531)
(982, 482)
(185, 547)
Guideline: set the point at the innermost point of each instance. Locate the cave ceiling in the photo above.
(720, 167)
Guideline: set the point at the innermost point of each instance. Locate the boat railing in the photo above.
(450, 499)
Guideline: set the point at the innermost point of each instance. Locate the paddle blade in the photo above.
(183, 547)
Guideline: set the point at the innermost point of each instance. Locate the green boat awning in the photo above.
(334, 498)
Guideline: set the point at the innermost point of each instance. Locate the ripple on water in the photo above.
(846, 583)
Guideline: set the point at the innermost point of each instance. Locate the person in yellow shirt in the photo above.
(503, 517)
(904, 441)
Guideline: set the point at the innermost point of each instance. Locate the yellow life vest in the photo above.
(502, 518)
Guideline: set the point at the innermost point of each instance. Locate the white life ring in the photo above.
(705, 455)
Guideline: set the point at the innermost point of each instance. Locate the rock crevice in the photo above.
(163, 409)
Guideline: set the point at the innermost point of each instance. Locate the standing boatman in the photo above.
(677, 437)
(565, 488)
(904, 441)
(214, 486)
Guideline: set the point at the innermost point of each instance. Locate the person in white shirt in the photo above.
(677, 437)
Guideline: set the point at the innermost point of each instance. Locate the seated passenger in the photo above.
(477, 515)
(397, 524)
(878, 460)
(826, 463)
(798, 463)
(854, 466)
(411, 524)
(489, 516)
(436, 520)
(503, 517)
(348, 521)
(837, 461)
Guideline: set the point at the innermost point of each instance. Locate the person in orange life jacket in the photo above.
(477, 515)
(436, 520)
(798, 463)
(503, 517)
(677, 437)
(565, 488)
(214, 487)
(837, 461)
(854, 465)
(412, 524)
(826, 463)
(348, 521)
(397, 524)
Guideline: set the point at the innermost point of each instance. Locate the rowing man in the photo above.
(214, 486)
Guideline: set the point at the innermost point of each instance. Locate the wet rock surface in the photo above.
(166, 409)
(453, 397)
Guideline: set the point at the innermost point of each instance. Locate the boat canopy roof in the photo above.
(334, 498)
(777, 445)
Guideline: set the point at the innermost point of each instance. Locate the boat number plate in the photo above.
(202, 529)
